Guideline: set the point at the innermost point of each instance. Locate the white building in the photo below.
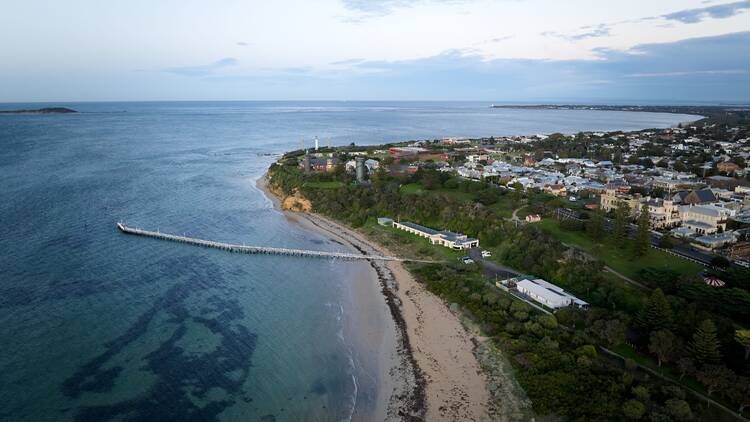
(455, 241)
(705, 219)
(548, 294)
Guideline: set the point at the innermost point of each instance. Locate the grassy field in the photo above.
(504, 207)
(617, 257)
(418, 189)
(324, 185)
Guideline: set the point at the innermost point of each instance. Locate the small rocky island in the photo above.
(46, 110)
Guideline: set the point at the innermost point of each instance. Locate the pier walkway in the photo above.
(253, 249)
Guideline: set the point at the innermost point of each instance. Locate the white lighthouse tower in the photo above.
(316, 143)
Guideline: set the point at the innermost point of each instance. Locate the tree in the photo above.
(716, 378)
(595, 226)
(679, 409)
(720, 262)
(739, 393)
(633, 409)
(666, 242)
(643, 235)
(686, 366)
(622, 220)
(743, 337)
(656, 314)
(705, 344)
(662, 344)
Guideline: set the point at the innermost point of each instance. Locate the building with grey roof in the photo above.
(455, 241)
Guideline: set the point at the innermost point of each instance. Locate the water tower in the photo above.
(361, 170)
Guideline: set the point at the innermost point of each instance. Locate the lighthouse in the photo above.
(316, 143)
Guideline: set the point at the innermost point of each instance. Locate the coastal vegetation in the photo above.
(631, 355)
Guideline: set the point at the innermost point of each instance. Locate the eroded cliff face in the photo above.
(294, 202)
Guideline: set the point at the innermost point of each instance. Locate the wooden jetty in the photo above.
(252, 249)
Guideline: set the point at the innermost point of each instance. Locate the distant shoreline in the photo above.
(698, 111)
(45, 110)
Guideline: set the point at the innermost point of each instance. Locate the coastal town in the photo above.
(607, 234)
(692, 181)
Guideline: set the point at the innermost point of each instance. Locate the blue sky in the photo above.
(485, 50)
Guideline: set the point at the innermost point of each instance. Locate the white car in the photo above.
(467, 260)
(486, 254)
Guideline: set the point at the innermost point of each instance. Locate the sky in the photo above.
(665, 51)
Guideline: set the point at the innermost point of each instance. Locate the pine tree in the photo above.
(705, 344)
(643, 236)
(743, 337)
(656, 314)
(622, 220)
(595, 226)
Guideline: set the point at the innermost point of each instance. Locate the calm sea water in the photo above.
(98, 325)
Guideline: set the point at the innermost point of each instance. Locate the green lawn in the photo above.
(418, 189)
(504, 207)
(411, 189)
(324, 185)
(619, 257)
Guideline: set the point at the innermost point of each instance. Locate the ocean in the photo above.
(97, 325)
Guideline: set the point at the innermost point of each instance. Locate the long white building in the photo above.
(548, 294)
(456, 241)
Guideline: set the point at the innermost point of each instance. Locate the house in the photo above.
(548, 294)
(704, 219)
(663, 214)
(695, 197)
(682, 232)
(723, 182)
(318, 164)
(455, 241)
(371, 165)
(727, 167)
(533, 218)
(612, 197)
(715, 241)
(556, 189)
(403, 152)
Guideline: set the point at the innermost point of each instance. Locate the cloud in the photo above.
(720, 11)
(501, 39)
(596, 31)
(203, 70)
(347, 62)
(366, 9)
(242, 43)
(698, 69)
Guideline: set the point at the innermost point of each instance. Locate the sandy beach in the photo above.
(439, 377)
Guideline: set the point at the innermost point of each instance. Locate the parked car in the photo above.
(467, 260)
(486, 254)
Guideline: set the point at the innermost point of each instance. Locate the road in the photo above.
(492, 269)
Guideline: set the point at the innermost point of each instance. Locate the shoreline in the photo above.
(437, 376)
